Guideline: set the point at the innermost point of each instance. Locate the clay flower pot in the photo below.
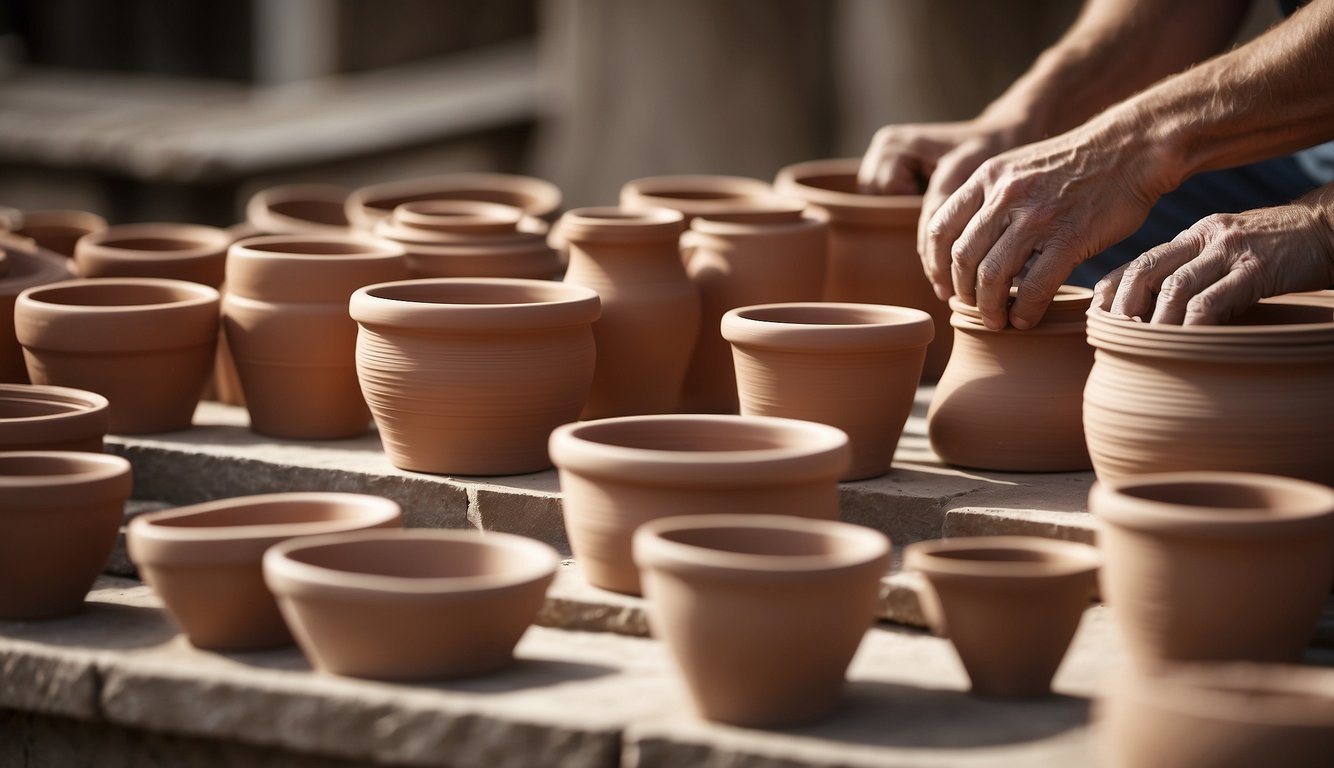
(204, 560)
(852, 366)
(539, 199)
(617, 474)
(650, 309)
(285, 316)
(27, 267)
(59, 516)
(872, 245)
(1012, 400)
(1010, 605)
(469, 376)
(460, 238)
(410, 605)
(298, 209)
(174, 251)
(762, 613)
(58, 231)
(1251, 396)
(1215, 565)
(38, 418)
(145, 344)
(695, 195)
(1220, 716)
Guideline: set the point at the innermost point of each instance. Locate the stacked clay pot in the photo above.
(58, 231)
(1012, 400)
(463, 238)
(42, 418)
(175, 251)
(25, 267)
(297, 209)
(695, 194)
(539, 199)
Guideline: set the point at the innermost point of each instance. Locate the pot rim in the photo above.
(1304, 506)
(1067, 311)
(451, 216)
(1060, 558)
(260, 212)
(66, 218)
(695, 194)
(852, 207)
(206, 242)
(30, 266)
(75, 403)
(1218, 333)
(191, 295)
(609, 224)
(1289, 694)
(892, 328)
(569, 304)
(859, 546)
(86, 471)
(368, 204)
(783, 217)
(373, 247)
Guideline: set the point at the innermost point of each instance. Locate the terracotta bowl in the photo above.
(294, 209)
(204, 560)
(190, 252)
(59, 231)
(42, 418)
(408, 605)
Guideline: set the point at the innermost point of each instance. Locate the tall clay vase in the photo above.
(539, 199)
(872, 246)
(26, 267)
(1213, 566)
(285, 317)
(174, 251)
(469, 376)
(39, 418)
(695, 194)
(1012, 400)
(616, 474)
(852, 366)
(650, 309)
(461, 238)
(145, 344)
(298, 209)
(1251, 396)
(58, 231)
(60, 513)
(762, 613)
(1010, 605)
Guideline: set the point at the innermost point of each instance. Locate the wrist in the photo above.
(1320, 203)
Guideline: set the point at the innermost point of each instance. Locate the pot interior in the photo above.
(316, 247)
(690, 435)
(119, 294)
(504, 197)
(153, 244)
(22, 408)
(748, 540)
(268, 513)
(1284, 314)
(998, 555)
(1217, 494)
(319, 211)
(408, 558)
(468, 292)
(814, 314)
(50, 465)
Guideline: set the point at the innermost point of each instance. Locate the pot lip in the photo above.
(191, 295)
(155, 526)
(862, 546)
(1310, 505)
(791, 179)
(897, 326)
(610, 224)
(574, 305)
(423, 213)
(374, 247)
(1282, 331)
(1060, 558)
(88, 468)
(70, 218)
(259, 208)
(1290, 694)
(695, 194)
(207, 242)
(77, 402)
(774, 215)
(365, 204)
(1068, 308)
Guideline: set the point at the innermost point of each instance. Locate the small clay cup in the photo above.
(298, 209)
(42, 418)
(762, 613)
(190, 252)
(27, 267)
(58, 231)
(1010, 605)
(410, 605)
(204, 560)
(539, 199)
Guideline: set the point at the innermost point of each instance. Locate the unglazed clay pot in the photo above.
(59, 516)
(650, 309)
(145, 344)
(39, 418)
(539, 199)
(852, 366)
(1219, 716)
(204, 560)
(175, 251)
(27, 267)
(1010, 605)
(1215, 565)
(762, 613)
(1010, 399)
(460, 238)
(1250, 396)
(285, 316)
(469, 376)
(695, 195)
(298, 209)
(58, 231)
(410, 605)
(616, 474)
(872, 245)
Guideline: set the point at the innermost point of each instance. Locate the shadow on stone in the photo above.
(98, 626)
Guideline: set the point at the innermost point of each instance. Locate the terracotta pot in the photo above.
(204, 560)
(174, 251)
(469, 376)
(1252, 396)
(695, 195)
(1215, 565)
(1010, 605)
(285, 316)
(1220, 716)
(539, 199)
(298, 209)
(28, 267)
(60, 513)
(409, 605)
(58, 231)
(852, 366)
(38, 418)
(1012, 400)
(145, 344)
(650, 309)
(459, 238)
(616, 474)
(762, 613)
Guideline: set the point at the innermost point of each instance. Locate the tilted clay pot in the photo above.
(39, 418)
(1250, 396)
(460, 238)
(539, 199)
(872, 246)
(204, 560)
(145, 344)
(1215, 565)
(285, 317)
(852, 366)
(1010, 605)
(58, 231)
(616, 474)
(298, 209)
(1010, 399)
(410, 605)
(60, 513)
(650, 309)
(695, 195)
(469, 376)
(174, 251)
(27, 267)
(762, 613)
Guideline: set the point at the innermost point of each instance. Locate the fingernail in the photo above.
(1020, 323)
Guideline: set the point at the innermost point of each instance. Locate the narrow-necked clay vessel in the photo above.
(285, 317)
(297, 209)
(539, 199)
(410, 605)
(650, 309)
(762, 613)
(58, 231)
(1010, 605)
(695, 194)
(852, 366)
(41, 418)
(28, 267)
(469, 376)
(1012, 400)
(145, 344)
(204, 560)
(175, 251)
(59, 516)
(462, 238)
(616, 474)
(1215, 565)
